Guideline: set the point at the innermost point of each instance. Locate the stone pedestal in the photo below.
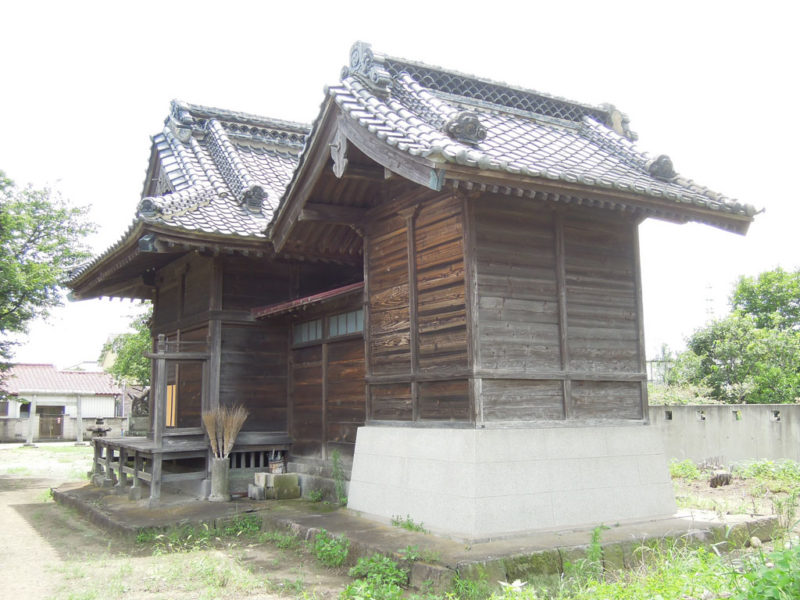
(491, 483)
(220, 485)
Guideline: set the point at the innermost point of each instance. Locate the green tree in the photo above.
(772, 298)
(128, 351)
(41, 241)
(753, 354)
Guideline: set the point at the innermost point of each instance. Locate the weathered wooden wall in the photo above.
(326, 392)
(416, 315)
(559, 313)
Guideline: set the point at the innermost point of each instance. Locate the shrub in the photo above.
(330, 550)
(775, 577)
(684, 469)
(379, 569)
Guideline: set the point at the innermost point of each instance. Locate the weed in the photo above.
(469, 589)
(591, 567)
(293, 587)
(330, 550)
(379, 569)
(786, 509)
(364, 589)
(247, 525)
(338, 477)
(413, 554)
(775, 576)
(684, 469)
(408, 524)
(46, 495)
(316, 495)
(284, 541)
(146, 536)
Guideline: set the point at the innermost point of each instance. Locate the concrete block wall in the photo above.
(482, 484)
(733, 432)
(16, 430)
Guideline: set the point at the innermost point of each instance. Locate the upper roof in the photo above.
(454, 119)
(42, 378)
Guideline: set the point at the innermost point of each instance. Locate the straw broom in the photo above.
(210, 421)
(223, 425)
(232, 421)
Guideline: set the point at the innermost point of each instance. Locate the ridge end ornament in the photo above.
(465, 127)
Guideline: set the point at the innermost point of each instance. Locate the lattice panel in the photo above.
(452, 83)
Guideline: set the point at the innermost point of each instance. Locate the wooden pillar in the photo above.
(135, 493)
(324, 399)
(122, 477)
(108, 480)
(561, 285)
(155, 481)
(160, 387)
(637, 278)
(410, 215)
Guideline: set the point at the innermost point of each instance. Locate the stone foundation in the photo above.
(478, 484)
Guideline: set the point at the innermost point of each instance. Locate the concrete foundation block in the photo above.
(135, 493)
(255, 492)
(490, 571)
(478, 484)
(286, 486)
(261, 479)
(437, 577)
(547, 562)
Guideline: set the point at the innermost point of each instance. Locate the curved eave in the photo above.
(120, 271)
(317, 155)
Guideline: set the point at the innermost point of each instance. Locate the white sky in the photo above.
(711, 84)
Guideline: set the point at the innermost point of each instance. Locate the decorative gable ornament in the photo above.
(661, 167)
(465, 127)
(368, 69)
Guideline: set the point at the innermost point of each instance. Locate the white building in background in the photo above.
(58, 394)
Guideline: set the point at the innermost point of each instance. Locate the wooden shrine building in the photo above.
(439, 279)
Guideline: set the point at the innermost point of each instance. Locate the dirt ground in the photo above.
(47, 551)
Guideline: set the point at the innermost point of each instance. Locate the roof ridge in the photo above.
(245, 187)
(210, 112)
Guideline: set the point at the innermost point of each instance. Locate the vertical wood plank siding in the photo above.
(253, 372)
(559, 329)
(417, 313)
(389, 325)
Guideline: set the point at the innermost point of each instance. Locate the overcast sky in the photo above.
(711, 84)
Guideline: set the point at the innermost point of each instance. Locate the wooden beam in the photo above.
(364, 173)
(418, 170)
(328, 213)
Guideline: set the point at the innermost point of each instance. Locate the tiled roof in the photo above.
(27, 378)
(221, 172)
(508, 130)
